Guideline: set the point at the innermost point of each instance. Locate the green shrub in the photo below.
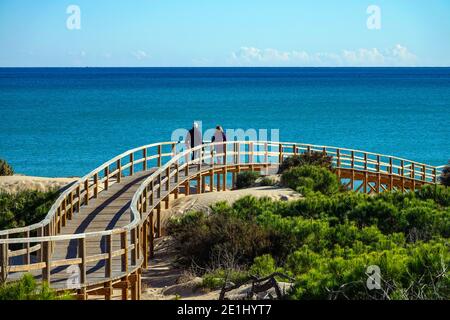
(445, 176)
(263, 266)
(203, 239)
(267, 181)
(314, 158)
(326, 242)
(28, 289)
(439, 194)
(5, 169)
(24, 208)
(216, 279)
(310, 178)
(246, 179)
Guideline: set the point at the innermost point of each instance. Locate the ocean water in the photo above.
(65, 122)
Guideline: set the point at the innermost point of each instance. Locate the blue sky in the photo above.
(225, 33)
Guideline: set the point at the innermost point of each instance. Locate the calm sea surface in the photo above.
(65, 122)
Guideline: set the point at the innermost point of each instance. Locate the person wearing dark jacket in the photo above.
(219, 136)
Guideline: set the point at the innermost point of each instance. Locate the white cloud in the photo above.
(140, 54)
(251, 56)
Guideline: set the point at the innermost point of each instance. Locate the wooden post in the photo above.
(106, 186)
(135, 249)
(131, 164)
(47, 259)
(4, 261)
(151, 235)
(211, 180)
(86, 190)
(96, 185)
(27, 246)
(119, 172)
(79, 198)
(159, 155)
(378, 183)
(108, 263)
(352, 182)
(168, 178)
(145, 243)
(124, 247)
(403, 175)
(71, 205)
(366, 174)
(158, 220)
(280, 156)
(82, 255)
(144, 155)
(391, 172)
(413, 176)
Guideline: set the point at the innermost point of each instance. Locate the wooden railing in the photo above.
(41, 238)
(136, 238)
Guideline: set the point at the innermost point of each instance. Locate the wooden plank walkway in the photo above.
(109, 211)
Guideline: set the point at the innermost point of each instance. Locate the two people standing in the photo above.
(194, 139)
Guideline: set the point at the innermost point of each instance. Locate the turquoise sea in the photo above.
(65, 122)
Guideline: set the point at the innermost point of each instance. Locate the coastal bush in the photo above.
(246, 179)
(209, 241)
(267, 181)
(310, 178)
(445, 176)
(263, 266)
(314, 158)
(24, 208)
(326, 243)
(215, 279)
(437, 193)
(28, 289)
(5, 168)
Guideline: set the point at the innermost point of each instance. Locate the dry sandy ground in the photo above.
(16, 183)
(163, 279)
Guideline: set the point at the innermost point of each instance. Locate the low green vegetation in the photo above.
(24, 208)
(28, 289)
(314, 158)
(325, 241)
(5, 168)
(246, 179)
(309, 178)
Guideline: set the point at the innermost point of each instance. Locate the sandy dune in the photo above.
(17, 183)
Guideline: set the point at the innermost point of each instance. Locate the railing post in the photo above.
(124, 247)
(280, 156)
(27, 246)
(159, 155)
(134, 250)
(78, 198)
(144, 155)
(403, 175)
(4, 259)
(391, 172)
(108, 262)
(131, 164)
(86, 190)
(96, 185)
(119, 170)
(47, 259)
(71, 205)
(82, 255)
(413, 176)
(106, 186)
(151, 235)
(434, 176)
(378, 174)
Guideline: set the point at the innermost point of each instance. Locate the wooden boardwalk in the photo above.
(99, 234)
